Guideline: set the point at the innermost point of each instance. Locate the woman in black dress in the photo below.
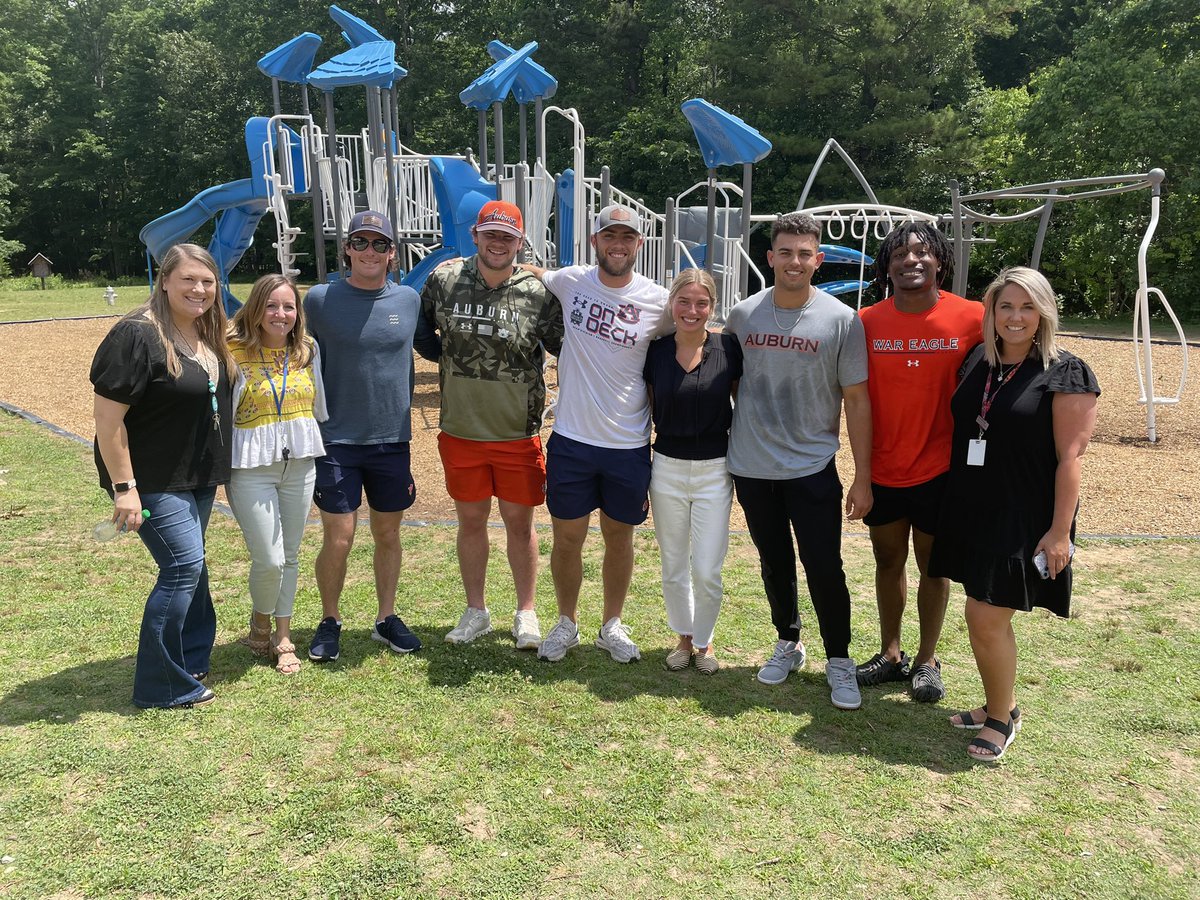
(1023, 415)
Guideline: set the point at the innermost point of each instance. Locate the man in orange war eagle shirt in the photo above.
(917, 339)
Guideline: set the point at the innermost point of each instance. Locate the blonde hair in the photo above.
(1033, 283)
(210, 326)
(246, 327)
(695, 276)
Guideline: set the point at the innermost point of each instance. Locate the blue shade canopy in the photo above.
(724, 139)
(368, 64)
(293, 60)
(495, 83)
(354, 30)
(533, 82)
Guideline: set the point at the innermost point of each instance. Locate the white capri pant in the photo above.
(691, 499)
(271, 505)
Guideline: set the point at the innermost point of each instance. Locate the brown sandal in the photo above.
(259, 639)
(286, 660)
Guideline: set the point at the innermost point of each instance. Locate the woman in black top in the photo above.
(163, 379)
(691, 376)
(1023, 416)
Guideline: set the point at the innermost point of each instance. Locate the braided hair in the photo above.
(898, 237)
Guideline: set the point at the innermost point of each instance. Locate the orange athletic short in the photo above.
(479, 470)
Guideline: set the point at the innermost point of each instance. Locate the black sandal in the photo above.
(996, 750)
(966, 720)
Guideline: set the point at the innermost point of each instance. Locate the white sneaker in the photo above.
(787, 658)
(562, 637)
(843, 683)
(526, 629)
(614, 637)
(473, 624)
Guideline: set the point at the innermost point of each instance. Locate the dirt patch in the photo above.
(1130, 486)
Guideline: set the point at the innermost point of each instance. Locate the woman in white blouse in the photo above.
(278, 402)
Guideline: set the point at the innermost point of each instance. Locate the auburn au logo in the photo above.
(629, 314)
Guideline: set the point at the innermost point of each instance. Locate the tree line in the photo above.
(113, 112)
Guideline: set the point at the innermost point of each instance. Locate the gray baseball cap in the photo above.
(615, 214)
(371, 221)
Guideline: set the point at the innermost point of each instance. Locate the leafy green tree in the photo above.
(1126, 100)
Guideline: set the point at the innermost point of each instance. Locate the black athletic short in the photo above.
(920, 504)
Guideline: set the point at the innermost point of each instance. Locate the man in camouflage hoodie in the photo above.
(494, 324)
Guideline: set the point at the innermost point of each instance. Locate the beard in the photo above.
(614, 269)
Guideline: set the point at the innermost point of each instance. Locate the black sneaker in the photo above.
(324, 646)
(879, 669)
(393, 632)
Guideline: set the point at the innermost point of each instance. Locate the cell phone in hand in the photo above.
(1039, 560)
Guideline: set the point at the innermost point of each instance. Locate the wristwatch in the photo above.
(120, 487)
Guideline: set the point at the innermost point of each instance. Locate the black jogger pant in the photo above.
(811, 507)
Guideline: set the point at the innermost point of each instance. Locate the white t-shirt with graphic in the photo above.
(602, 397)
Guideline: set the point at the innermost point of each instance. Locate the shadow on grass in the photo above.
(888, 727)
(102, 685)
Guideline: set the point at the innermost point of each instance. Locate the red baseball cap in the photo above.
(500, 215)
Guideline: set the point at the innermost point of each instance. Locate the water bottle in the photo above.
(107, 530)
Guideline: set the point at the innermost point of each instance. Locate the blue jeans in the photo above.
(179, 624)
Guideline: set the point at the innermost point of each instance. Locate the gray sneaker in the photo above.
(562, 637)
(526, 629)
(614, 637)
(843, 685)
(474, 623)
(788, 657)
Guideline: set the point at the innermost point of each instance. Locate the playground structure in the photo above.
(433, 200)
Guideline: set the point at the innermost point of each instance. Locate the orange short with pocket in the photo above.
(479, 470)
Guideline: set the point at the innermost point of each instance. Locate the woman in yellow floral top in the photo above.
(278, 401)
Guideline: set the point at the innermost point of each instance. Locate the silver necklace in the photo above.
(780, 325)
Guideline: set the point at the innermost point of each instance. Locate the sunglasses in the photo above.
(379, 245)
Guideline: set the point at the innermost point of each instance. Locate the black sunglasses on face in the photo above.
(379, 245)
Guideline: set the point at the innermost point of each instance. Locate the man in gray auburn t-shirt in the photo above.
(804, 357)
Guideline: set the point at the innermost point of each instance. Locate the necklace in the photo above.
(206, 360)
(780, 325)
(200, 354)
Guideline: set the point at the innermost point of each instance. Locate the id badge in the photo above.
(975, 452)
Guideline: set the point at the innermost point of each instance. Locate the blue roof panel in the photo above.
(367, 64)
(495, 83)
(354, 30)
(533, 82)
(293, 60)
(724, 139)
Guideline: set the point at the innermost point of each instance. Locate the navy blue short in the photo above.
(581, 478)
(384, 470)
(920, 504)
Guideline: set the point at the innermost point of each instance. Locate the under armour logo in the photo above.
(913, 362)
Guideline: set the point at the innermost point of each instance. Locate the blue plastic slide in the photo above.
(240, 207)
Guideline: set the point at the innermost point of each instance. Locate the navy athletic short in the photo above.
(581, 478)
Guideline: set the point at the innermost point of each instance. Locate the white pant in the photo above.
(691, 501)
(271, 505)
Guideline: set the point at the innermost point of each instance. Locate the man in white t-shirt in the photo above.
(599, 454)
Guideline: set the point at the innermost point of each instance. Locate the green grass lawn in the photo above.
(481, 772)
(17, 304)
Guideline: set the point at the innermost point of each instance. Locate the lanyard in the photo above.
(282, 392)
(989, 397)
